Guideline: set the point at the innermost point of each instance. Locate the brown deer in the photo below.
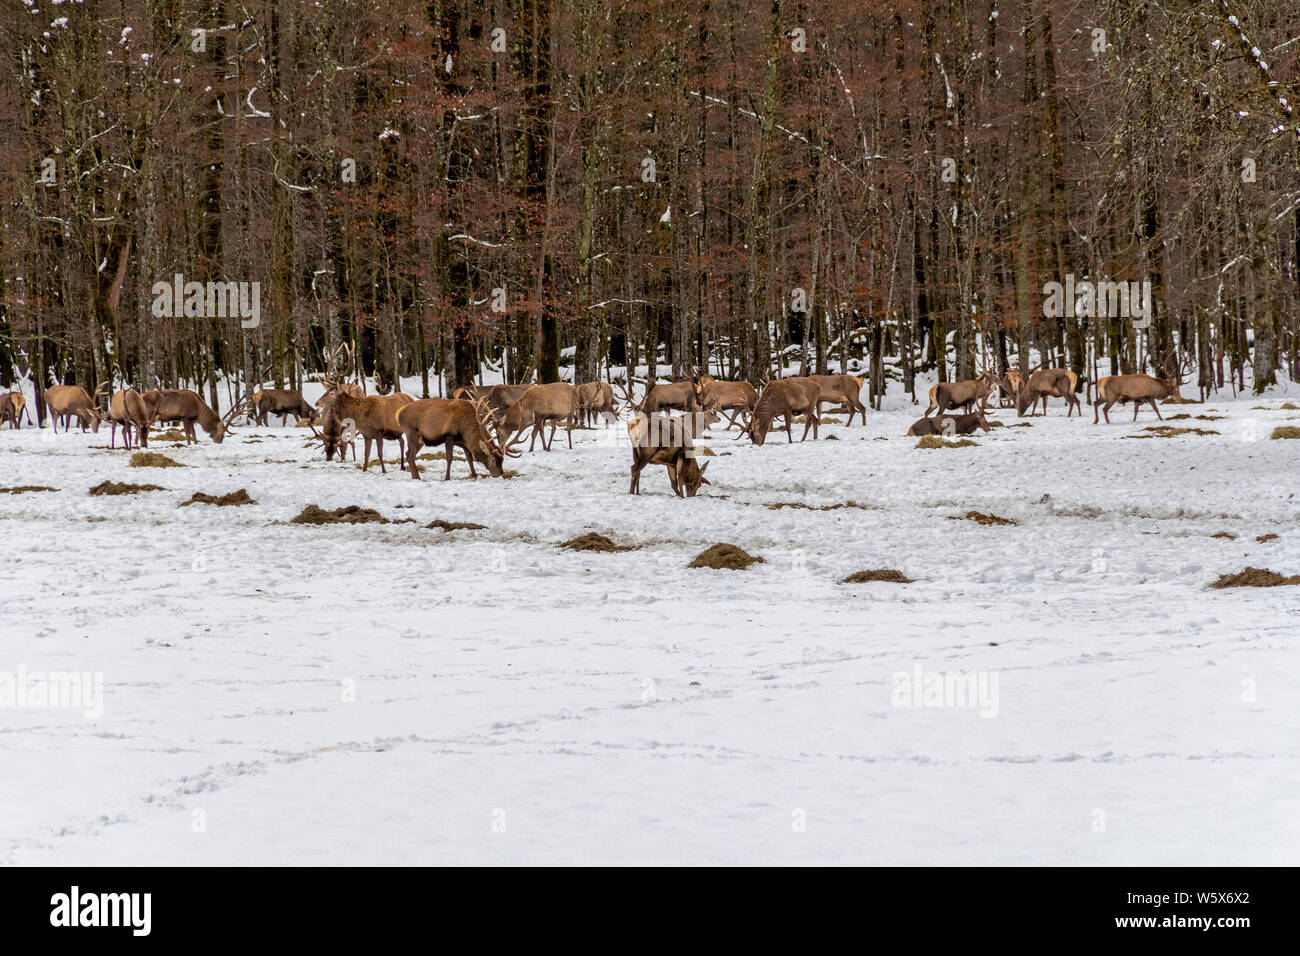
(65, 401)
(280, 401)
(501, 397)
(946, 396)
(1049, 383)
(949, 424)
(594, 400)
(1137, 389)
(785, 398)
(13, 405)
(659, 440)
(739, 398)
(452, 422)
(1011, 383)
(681, 396)
(841, 390)
(131, 410)
(374, 417)
(185, 406)
(554, 402)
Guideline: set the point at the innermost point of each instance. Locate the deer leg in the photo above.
(789, 432)
(1156, 409)
(634, 488)
(365, 465)
(547, 444)
(810, 421)
(569, 425)
(1136, 405)
(379, 444)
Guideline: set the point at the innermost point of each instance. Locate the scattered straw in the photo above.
(1224, 534)
(1266, 537)
(352, 514)
(117, 488)
(456, 525)
(724, 556)
(879, 574)
(23, 489)
(934, 441)
(980, 518)
(239, 497)
(1255, 578)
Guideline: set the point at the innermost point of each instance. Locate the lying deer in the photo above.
(13, 406)
(787, 398)
(452, 422)
(1049, 383)
(949, 424)
(280, 401)
(65, 401)
(553, 402)
(185, 406)
(132, 410)
(374, 417)
(659, 440)
(1136, 389)
(948, 395)
(840, 390)
(735, 397)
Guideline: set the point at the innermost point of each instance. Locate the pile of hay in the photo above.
(151, 459)
(1255, 578)
(725, 557)
(879, 574)
(456, 525)
(239, 497)
(934, 441)
(352, 514)
(23, 489)
(594, 542)
(115, 488)
(1285, 431)
(171, 434)
(980, 518)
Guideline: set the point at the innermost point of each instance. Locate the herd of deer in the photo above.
(488, 423)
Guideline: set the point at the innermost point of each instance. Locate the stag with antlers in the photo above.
(451, 423)
(67, 401)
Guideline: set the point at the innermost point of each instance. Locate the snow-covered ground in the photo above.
(278, 693)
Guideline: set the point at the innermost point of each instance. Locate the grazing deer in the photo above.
(840, 390)
(659, 440)
(948, 395)
(1011, 383)
(735, 397)
(1049, 383)
(131, 410)
(1137, 389)
(594, 400)
(65, 401)
(13, 405)
(554, 402)
(681, 396)
(787, 398)
(185, 406)
(373, 416)
(949, 424)
(501, 397)
(280, 401)
(471, 393)
(452, 422)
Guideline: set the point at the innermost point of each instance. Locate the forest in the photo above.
(539, 190)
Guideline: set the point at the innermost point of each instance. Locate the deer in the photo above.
(452, 422)
(65, 401)
(659, 440)
(280, 401)
(1137, 389)
(949, 424)
(13, 405)
(553, 402)
(721, 396)
(945, 396)
(1049, 383)
(187, 407)
(471, 393)
(374, 417)
(1011, 383)
(130, 409)
(594, 400)
(841, 390)
(683, 396)
(785, 397)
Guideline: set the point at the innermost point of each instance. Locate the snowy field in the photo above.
(389, 694)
